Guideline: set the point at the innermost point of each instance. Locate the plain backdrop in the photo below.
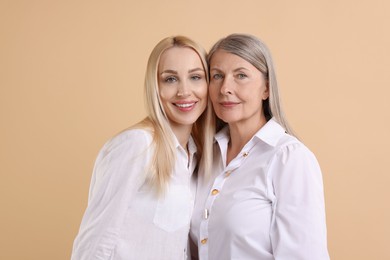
(71, 77)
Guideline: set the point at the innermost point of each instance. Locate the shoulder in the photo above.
(134, 137)
(128, 142)
(294, 168)
(126, 152)
(290, 147)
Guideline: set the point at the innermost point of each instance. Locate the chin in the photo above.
(186, 121)
(229, 120)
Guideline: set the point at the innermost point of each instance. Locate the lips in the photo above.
(228, 103)
(185, 106)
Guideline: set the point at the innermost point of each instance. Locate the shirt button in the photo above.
(206, 214)
(214, 191)
(203, 241)
(245, 154)
(227, 174)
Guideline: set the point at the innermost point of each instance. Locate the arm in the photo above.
(118, 172)
(298, 228)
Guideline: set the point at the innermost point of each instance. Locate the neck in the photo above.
(240, 134)
(182, 134)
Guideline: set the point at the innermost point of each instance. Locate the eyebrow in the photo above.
(235, 70)
(169, 72)
(240, 68)
(196, 69)
(175, 72)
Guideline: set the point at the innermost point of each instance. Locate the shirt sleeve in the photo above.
(298, 227)
(119, 170)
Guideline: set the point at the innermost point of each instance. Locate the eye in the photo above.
(241, 76)
(196, 77)
(170, 79)
(217, 76)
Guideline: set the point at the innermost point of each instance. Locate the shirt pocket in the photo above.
(107, 245)
(174, 208)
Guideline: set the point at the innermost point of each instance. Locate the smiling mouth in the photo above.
(185, 105)
(229, 104)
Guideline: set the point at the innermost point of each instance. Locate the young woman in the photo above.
(141, 199)
(264, 198)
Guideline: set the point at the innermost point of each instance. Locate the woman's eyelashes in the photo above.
(196, 77)
(241, 76)
(218, 76)
(173, 79)
(170, 79)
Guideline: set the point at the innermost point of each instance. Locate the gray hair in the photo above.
(254, 51)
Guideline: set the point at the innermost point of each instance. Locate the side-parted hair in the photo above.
(164, 157)
(254, 51)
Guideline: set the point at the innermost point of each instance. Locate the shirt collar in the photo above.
(270, 133)
(191, 145)
(222, 134)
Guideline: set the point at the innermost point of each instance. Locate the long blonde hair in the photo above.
(254, 51)
(164, 157)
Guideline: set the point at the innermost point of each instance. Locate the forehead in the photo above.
(179, 57)
(222, 57)
(223, 60)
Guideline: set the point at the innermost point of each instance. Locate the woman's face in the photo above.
(182, 85)
(237, 89)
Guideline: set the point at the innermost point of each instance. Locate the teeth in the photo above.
(185, 105)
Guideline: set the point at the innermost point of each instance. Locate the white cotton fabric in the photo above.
(125, 219)
(269, 202)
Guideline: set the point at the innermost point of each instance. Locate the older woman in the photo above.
(264, 197)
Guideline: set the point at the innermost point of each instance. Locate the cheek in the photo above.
(166, 93)
(201, 91)
(255, 99)
(259, 93)
(213, 92)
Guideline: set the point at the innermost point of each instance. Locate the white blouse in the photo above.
(267, 203)
(125, 219)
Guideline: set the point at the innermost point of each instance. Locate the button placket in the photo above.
(227, 173)
(206, 214)
(215, 190)
(213, 194)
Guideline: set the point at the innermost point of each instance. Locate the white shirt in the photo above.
(267, 203)
(125, 219)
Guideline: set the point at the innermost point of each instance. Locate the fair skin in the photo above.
(183, 89)
(237, 90)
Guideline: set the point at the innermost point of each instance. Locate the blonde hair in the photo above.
(164, 157)
(255, 52)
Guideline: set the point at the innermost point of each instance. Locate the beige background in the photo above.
(71, 76)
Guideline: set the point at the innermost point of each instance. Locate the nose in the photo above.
(183, 90)
(226, 87)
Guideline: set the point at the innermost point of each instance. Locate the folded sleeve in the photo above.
(119, 170)
(298, 228)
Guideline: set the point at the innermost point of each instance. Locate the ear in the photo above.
(265, 94)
